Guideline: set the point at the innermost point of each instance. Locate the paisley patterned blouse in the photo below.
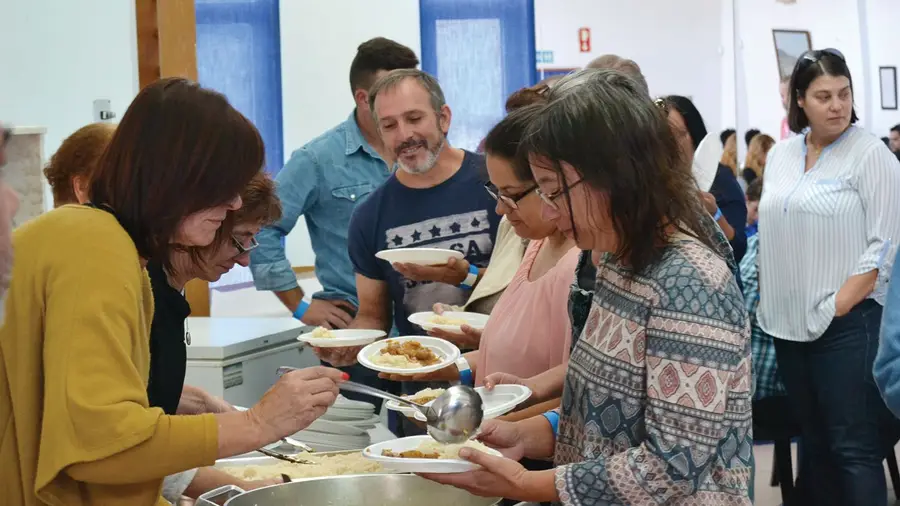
(656, 404)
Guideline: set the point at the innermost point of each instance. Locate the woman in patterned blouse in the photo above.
(656, 403)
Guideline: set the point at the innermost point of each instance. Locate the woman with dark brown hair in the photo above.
(74, 352)
(656, 404)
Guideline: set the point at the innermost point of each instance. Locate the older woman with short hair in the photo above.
(70, 169)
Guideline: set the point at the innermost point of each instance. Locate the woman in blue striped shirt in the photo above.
(826, 220)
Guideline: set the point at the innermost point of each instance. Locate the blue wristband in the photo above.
(301, 309)
(471, 278)
(718, 215)
(465, 377)
(553, 418)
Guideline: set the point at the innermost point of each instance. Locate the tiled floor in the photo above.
(771, 496)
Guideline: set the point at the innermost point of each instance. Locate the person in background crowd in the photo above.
(74, 352)
(784, 89)
(324, 181)
(444, 206)
(729, 151)
(894, 140)
(628, 67)
(609, 169)
(830, 201)
(70, 168)
(754, 194)
(69, 174)
(9, 205)
(749, 135)
(757, 154)
(765, 368)
(725, 135)
(886, 369)
(725, 199)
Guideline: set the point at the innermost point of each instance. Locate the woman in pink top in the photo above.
(529, 330)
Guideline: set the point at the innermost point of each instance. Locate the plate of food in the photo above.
(418, 256)
(450, 321)
(408, 355)
(422, 454)
(497, 402)
(422, 397)
(321, 337)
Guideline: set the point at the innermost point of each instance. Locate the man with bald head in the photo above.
(628, 67)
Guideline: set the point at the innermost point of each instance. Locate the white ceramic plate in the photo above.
(497, 402)
(447, 351)
(443, 466)
(706, 161)
(474, 320)
(343, 338)
(418, 256)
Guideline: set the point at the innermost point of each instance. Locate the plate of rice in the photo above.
(422, 454)
(408, 355)
(321, 337)
(450, 321)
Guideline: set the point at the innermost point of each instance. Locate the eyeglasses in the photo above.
(242, 247)
(511, 201)
(550, 198)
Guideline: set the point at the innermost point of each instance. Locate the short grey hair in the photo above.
(623, 65)
(393, 78)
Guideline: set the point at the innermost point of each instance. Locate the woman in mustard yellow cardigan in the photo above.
(75, 426)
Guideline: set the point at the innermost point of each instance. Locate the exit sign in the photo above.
(544, 56)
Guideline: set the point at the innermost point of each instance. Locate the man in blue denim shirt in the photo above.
(323, 181)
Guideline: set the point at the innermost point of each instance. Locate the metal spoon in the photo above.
(453, 417)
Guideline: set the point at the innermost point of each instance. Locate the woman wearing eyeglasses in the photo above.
(829, 220)
(529, 330)
(656, 404)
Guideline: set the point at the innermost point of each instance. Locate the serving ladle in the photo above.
(452, 418)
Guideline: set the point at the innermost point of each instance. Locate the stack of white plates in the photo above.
(345, 426)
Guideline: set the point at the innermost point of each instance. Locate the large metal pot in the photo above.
(355, 490)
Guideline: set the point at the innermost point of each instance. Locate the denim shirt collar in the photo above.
(354, 137)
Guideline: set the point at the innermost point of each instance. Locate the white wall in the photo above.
(831, 23)
(678, 44)
(884, 51)
(59, 56)
(318, 43)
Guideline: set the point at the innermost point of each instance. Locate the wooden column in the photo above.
(167, 47)
(167, 39)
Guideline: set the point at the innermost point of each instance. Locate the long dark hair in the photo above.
(619, 142)
(179, 149)
(505, 139)
(692, 117)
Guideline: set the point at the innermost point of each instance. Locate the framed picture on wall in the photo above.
(888, 77)
(789, 47)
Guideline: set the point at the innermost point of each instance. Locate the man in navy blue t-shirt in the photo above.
(434, 199)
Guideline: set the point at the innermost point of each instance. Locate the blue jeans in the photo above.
(840, 412)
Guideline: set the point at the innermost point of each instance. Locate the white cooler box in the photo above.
(237, 358)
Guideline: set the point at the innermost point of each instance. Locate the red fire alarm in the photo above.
(584, 40)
